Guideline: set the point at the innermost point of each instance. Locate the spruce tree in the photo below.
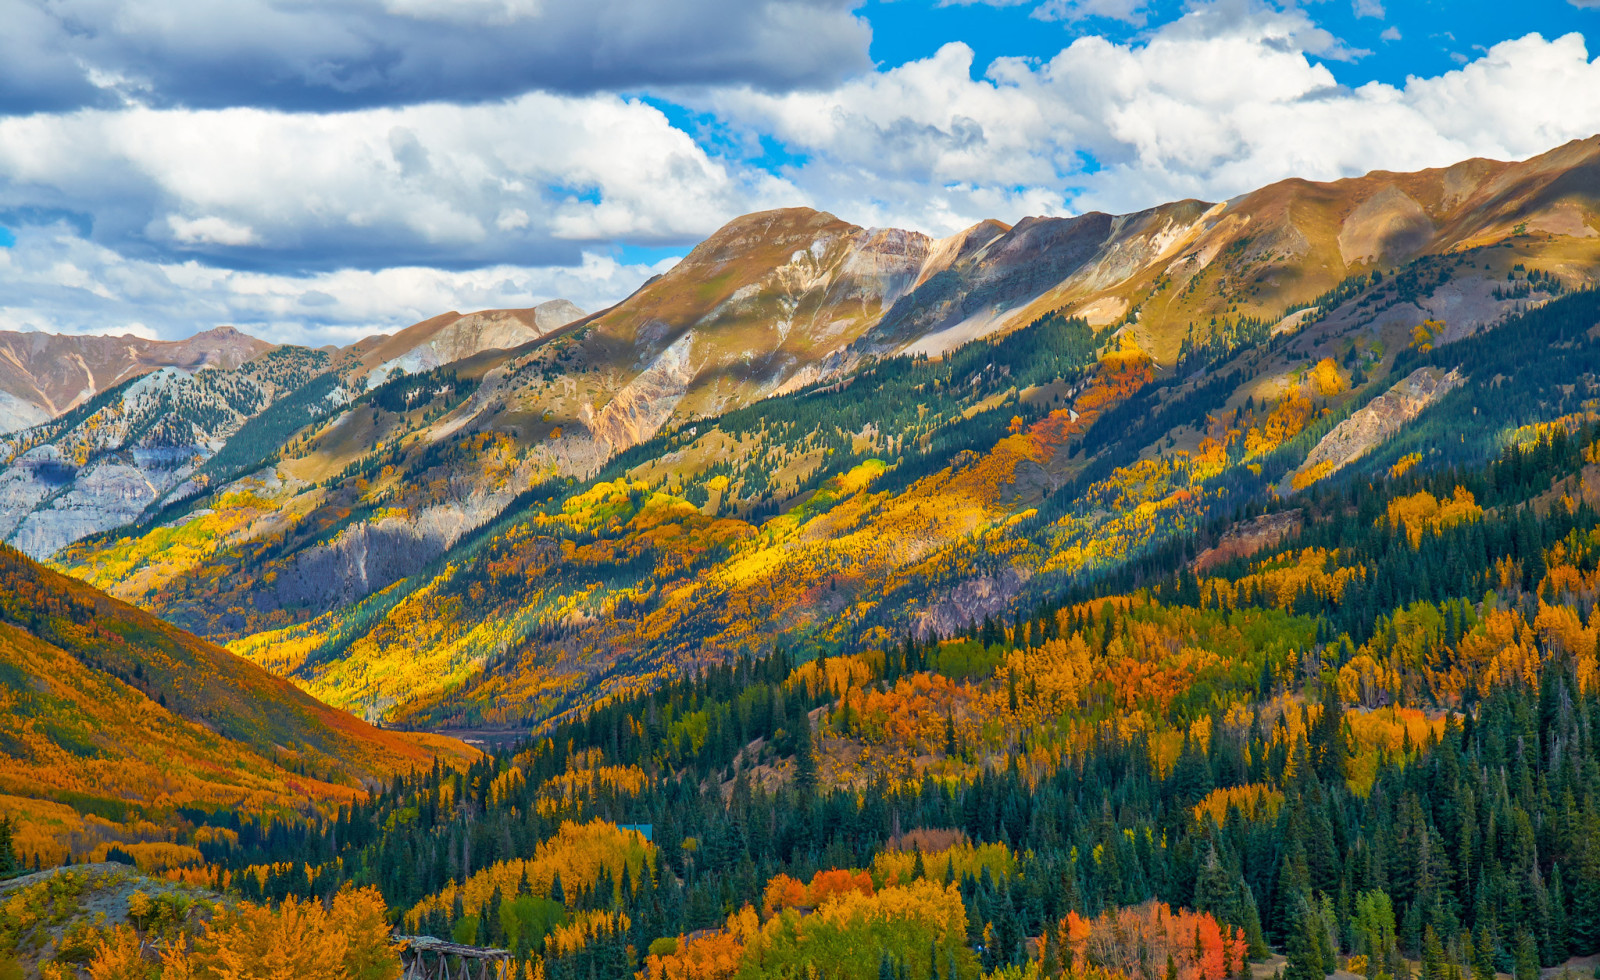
(9, 865)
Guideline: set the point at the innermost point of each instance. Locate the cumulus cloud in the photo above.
(1228, 98)
(56, 281)
(136, 207)
(356, 53)
(529, 181)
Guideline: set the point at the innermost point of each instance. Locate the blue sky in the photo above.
(318, 172)
(1434, 36)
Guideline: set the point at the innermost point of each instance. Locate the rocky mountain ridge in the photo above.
(816, 430)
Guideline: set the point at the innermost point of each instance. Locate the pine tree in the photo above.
(1217, 892)
(9, 864)
(1527, 956)
(1254, 937)
(1432, 956)
(805, 759)
(1304, 948)
(1483, 956)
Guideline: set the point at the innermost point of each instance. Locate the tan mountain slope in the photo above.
(43, 375)
(452, 336)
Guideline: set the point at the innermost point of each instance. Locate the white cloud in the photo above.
(209, 230)
(527, 181)
(1224, 100)
(146, 210)
(58, 282)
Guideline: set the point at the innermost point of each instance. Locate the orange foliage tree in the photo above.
(1137, 942)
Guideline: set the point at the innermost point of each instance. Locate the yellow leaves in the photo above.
(1285, 422)
(1405, 464)
(1285, 578)
(577, 852)
(1210, 460)
(1325, 378)
(956, 861)
(153, 856)
(627, 780)
(922, 900)
(1363, 680)
(1385, 731)
(506, 784)
(1254, 802)
(348, 940)
(1425, 333)
(1304, 478)
(586, 927)
(1422, 512)
(119, 955)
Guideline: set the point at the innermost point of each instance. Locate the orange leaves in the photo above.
(707, 956)
(1137, 942)
(1284, 423)
(784, 892)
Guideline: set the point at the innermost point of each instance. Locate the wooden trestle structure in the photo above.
(427, 958)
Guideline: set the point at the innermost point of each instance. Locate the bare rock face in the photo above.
(106, 494)
(372, 555)
(640, 409)
(17, 414)
(969, 602)
(451, 337)
(94, 470)
(1378, 420)
(1248, 537)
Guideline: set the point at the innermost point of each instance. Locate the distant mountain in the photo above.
(43, 375)
(155, 422)
(813, 432)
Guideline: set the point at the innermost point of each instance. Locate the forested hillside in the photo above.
(1129, 599)
(119, 731)
(814, 434)
(1369, 745)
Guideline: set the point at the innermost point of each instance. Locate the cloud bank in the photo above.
(171, 196)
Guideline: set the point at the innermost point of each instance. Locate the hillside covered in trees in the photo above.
(1250, 627)
(1369, 745)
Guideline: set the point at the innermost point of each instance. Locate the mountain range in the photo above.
(1075, 596)
(805, 432)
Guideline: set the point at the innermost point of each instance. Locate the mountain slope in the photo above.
(109, 710)
(453, 336)
(757, 446)
(43, 375)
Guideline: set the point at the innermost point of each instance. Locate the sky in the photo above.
(314, 171)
